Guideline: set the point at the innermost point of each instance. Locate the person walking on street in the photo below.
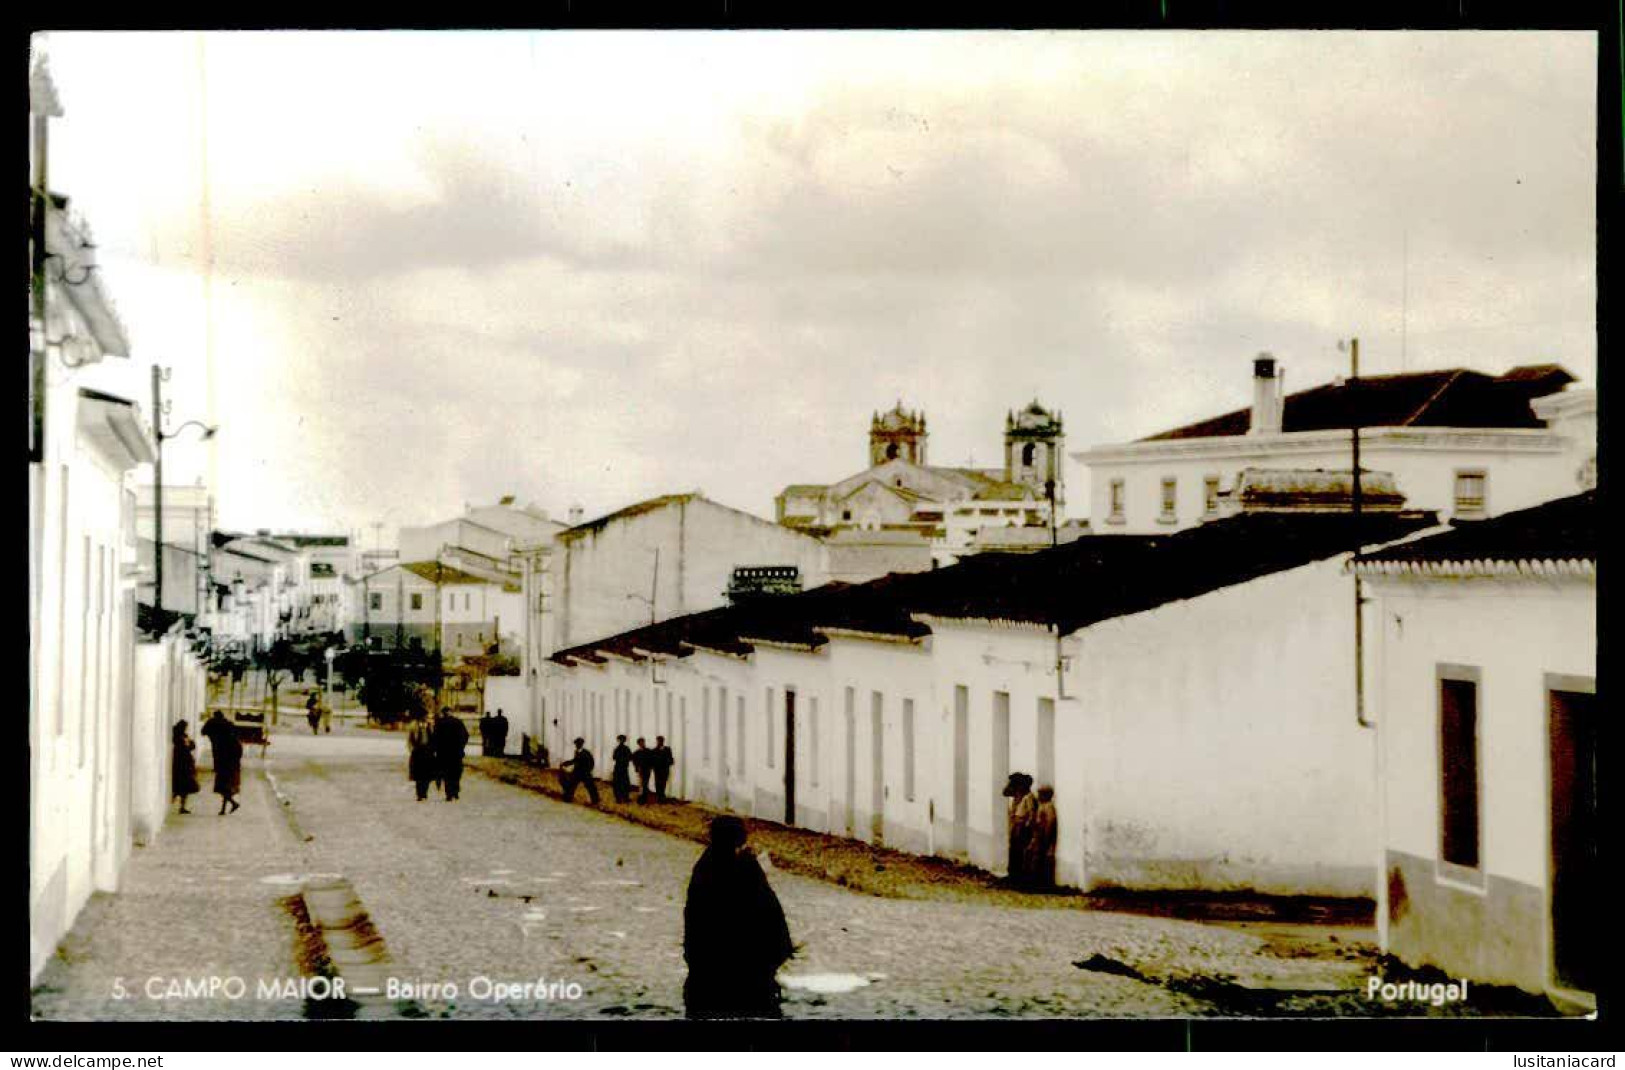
(641, 759)
(1041, 839)
(580, 772)
(420, 761)
(182, 765)
(661, 762)
(450, 737)
(735, 937)
(499, 734)
(313, 714)
(485, 734)
(1019, 791)
(226, 748)
(620, 779)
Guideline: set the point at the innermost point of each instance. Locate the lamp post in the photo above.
(160, 436)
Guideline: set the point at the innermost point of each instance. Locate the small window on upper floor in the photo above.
(1470, 489)
(1170, 492)
(1210, 495)
(417, 601)
(1027, 453)
(1116, 501)
(375, 600)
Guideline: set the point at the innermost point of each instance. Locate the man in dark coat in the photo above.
(735, 937)
(485, 733)
(313, 714)
(226, 746)
(420, 760)
(620, 778)
(642, 761)
(661, 762)
(1022, 805)
(450, 737)
(499, 734)
(580, 772)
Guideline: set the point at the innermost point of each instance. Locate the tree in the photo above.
(278, 663)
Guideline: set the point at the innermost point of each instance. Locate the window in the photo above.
(908, 747)
(1459, 787)
(1470, 487)
(1116, 501)
(1027, 452)
(417, 601)
(767, 716)
(375, 600)
(1046, 742)
(812, 737)
(1170, 490)
(1210, 495)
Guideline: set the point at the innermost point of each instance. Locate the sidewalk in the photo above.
(202, 901)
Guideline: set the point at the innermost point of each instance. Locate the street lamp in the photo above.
(161, 436)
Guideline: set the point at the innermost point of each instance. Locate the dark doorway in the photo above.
(961, 768)
(1574, 873)
(789, 756)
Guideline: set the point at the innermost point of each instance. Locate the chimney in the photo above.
(1267, 399)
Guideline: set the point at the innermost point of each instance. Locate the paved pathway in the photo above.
(194, 905)
(516, 888)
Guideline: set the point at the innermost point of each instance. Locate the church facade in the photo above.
(942, 508)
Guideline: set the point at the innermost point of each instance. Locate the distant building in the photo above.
(424, 604)
(660, 558)
(1464, 443)
(484, 538)
(941, 508)
(1488, 720)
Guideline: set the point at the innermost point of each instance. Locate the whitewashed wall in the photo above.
(1514, 632)
(1206, 744)
(1221, 746)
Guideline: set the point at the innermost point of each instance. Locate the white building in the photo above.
(485, 536)
(1460, 442)
(1190, 697)
(89, 784)
(1486, 653)
(422, 605)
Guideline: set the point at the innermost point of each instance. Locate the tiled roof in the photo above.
(1449, 398)
(1561, 530)
(1091, 579)
(445, 575)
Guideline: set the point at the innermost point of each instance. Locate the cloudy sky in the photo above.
(405, 271)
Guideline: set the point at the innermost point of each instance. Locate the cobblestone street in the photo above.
(509, 885)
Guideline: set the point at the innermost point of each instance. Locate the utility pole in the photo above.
(1357, 503)
(158, 498)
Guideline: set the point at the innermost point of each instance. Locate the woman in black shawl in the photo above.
(182, 765)
(734, 934)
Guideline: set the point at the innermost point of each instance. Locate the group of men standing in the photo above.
(434, 753)
(1033, 832)
(650, 763)
(494, 734)
(653, 764)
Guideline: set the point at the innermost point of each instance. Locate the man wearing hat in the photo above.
(1022, 809)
